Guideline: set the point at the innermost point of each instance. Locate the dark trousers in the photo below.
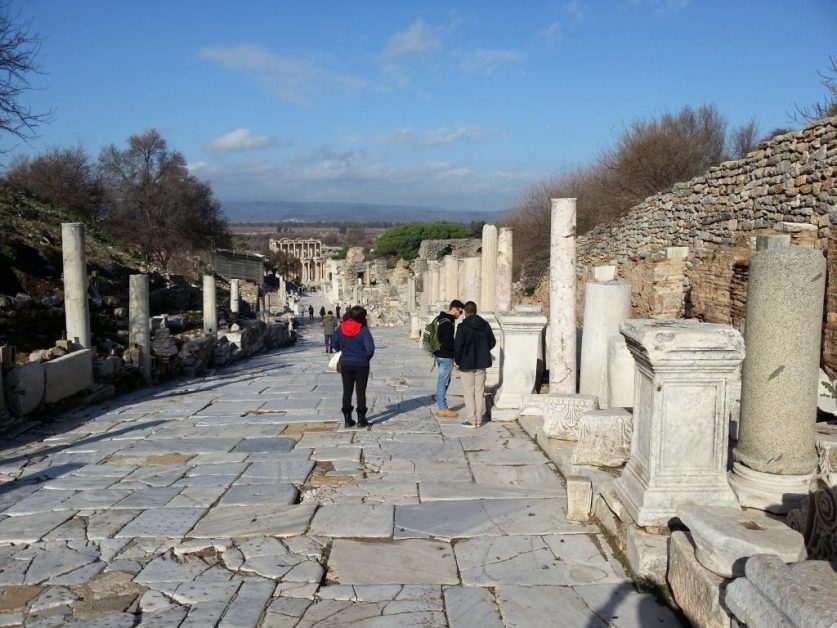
(328, 343)
(354, 378)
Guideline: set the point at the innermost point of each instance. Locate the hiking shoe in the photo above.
(469, 424)
(447, 412)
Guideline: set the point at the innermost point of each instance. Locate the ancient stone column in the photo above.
(775, 456)
(415, 325)
(606, 306)
(620, 373)
(462, 280)
(210, 312)
(489, 269)
(472, 287)
(235, 294)
(505, 255)
(435, 282)
(451, 279)
(411, 293)
(139, 328)
(76, 307)
(686, 371)
(562, 297)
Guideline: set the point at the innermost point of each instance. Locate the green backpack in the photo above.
(430, 337)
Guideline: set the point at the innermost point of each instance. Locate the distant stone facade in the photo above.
(786, 186)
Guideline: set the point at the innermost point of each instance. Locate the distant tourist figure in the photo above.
(329, 327)
(444, 355)
(337, 310)
(322, 312)
(311, 312)
(355, 341)
(472, 354)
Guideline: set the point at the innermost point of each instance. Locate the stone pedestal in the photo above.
(521, 338)
(606, 306)
(561, 413)
(235, 295)
(76, 308)
(775, 456)
(562, 297)
(210, 310)
(489, 269)
(139, 327)
(411, 293)
(620, 373)
(493, 373)
(685, 373)
(505, 256)
(415, 325)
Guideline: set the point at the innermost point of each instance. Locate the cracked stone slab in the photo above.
(354, 520)
(258, 494)
(32, 528)
(532, 560)
(441, 491)
(55, 559)
(293, 470)
(622, 606)
(413, 561)
(475, 518)
(237, 522)
(471, 607)
(522, 474)
(271, 558)
(167, 568)
(169, 522)
(279, 444)
(249, 603)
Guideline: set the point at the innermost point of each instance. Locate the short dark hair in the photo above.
(358, 314)
(456, 303)
(330, 312)
(470, 308)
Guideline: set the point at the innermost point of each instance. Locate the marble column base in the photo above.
(771, 492)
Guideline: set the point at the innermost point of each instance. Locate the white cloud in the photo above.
(552, 33)
(487, 62)
(294, 79)
(419, 38)
(660, 6)
(197, 166)
(437, 137)
(240, 139)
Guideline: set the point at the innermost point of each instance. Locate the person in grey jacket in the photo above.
(329, 327)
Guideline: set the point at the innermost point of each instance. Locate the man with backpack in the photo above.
(472, 354)
(444, 328)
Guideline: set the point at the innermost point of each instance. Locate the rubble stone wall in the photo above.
(786, 186)
(458, 247)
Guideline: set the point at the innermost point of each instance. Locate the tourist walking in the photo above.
(337, 310)
(322, 311)
(329, 327)
(445, 323)
(355, 341)
(311, 312)
(472, 353)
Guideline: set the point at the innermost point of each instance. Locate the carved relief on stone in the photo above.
(562, 412)
(817, 521)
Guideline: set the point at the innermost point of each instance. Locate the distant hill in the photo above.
(275, 211)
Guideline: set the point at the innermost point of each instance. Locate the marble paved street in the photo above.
(237, 499)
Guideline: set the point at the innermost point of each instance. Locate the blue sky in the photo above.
(450, 104)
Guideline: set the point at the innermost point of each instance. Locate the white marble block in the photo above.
(606, 306)
(521, 339)
(604, 438)
(685, 373)
(579, 497)
(561, 414)
(620, 373)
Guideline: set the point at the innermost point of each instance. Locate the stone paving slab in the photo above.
(175, 505)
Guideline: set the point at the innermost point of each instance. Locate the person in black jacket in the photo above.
(472, 354)
(445, 323)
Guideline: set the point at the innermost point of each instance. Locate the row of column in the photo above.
(301, 250)
(312, 270)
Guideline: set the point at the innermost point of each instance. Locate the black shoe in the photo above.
(347, 417)
(361, 418)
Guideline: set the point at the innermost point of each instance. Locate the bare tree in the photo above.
(154, 202)
(65, 177)
(18, 50)
(828, 106)
(744, 139)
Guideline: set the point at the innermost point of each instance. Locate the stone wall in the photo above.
(786, 186)
(458, 247)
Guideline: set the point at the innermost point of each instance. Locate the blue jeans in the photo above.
(445, 369)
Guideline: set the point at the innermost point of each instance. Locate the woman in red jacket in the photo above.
(355, 341)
